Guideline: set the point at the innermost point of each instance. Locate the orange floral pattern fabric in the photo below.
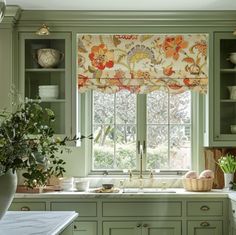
(142, 63)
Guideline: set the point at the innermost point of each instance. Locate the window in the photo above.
(159, 121)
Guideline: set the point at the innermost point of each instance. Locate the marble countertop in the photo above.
(35, 222)
(173, 193)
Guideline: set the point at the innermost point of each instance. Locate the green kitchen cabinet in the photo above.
(203, 227)
(54, 81)
(224, 114)
(142, 228)
(116, 214)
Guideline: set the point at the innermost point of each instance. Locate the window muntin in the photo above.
(167, 123)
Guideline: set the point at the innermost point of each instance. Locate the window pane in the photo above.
(169, 144)
(126, 146)
(157, 107)
(103, 108)
(180, 108)
(125, 108)
(180, 146)
(157, 147)
(114, 133)
(103, 147)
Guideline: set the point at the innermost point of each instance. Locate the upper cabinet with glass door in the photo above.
(225, 89)
(45, 73)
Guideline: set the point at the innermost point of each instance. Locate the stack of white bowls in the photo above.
(67, 184)
(48, 92)
(81, 184)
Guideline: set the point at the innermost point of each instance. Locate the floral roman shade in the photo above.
(142, 63)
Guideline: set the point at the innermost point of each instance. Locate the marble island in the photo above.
(35, 222)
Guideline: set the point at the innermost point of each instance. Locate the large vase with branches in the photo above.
(28, 143)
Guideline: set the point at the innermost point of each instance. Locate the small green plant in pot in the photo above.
(227, 163)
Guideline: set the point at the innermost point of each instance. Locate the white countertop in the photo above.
(35, 222)
(178, 193)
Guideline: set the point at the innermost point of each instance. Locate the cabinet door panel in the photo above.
(85, 228)
(204, 228)
(28, 206)
(122, 228)
(162, 228)
(142, 209)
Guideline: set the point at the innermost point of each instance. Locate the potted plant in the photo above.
(227, 163)
(27, 143)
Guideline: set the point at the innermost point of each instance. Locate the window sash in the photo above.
(196, 130)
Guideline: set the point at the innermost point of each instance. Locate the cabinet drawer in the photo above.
(142, 209)
(88, 209)
(205, 208)
(28, 206)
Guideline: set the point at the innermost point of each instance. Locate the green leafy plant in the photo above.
(27, 142)
(227, 163)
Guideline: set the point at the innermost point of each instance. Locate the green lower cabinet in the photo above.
(205, 227)
(142, 228)
(85, 228)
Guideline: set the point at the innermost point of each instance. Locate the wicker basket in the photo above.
(197, 185)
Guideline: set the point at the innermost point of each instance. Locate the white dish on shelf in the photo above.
(48, 92)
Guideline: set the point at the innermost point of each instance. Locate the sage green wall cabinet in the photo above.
(142, 228)
(52, 83)
(224, 81)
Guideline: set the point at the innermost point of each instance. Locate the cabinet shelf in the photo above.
(50, 100)
(227, 101)
(228, 70)
(45, 70)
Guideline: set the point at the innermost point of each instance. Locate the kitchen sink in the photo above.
(147, 190)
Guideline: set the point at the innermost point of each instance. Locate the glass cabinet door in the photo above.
(225, 87)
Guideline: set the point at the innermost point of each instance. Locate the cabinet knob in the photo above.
(204, 224)
(233, 211)
(25, 208)
(138, 225)
(75, 227)
(145, 225)
(204, 208)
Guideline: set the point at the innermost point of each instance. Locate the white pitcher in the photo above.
(232, 92)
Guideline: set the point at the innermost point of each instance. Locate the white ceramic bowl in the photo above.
(48, 57)
(232, 57)
(82, 185)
